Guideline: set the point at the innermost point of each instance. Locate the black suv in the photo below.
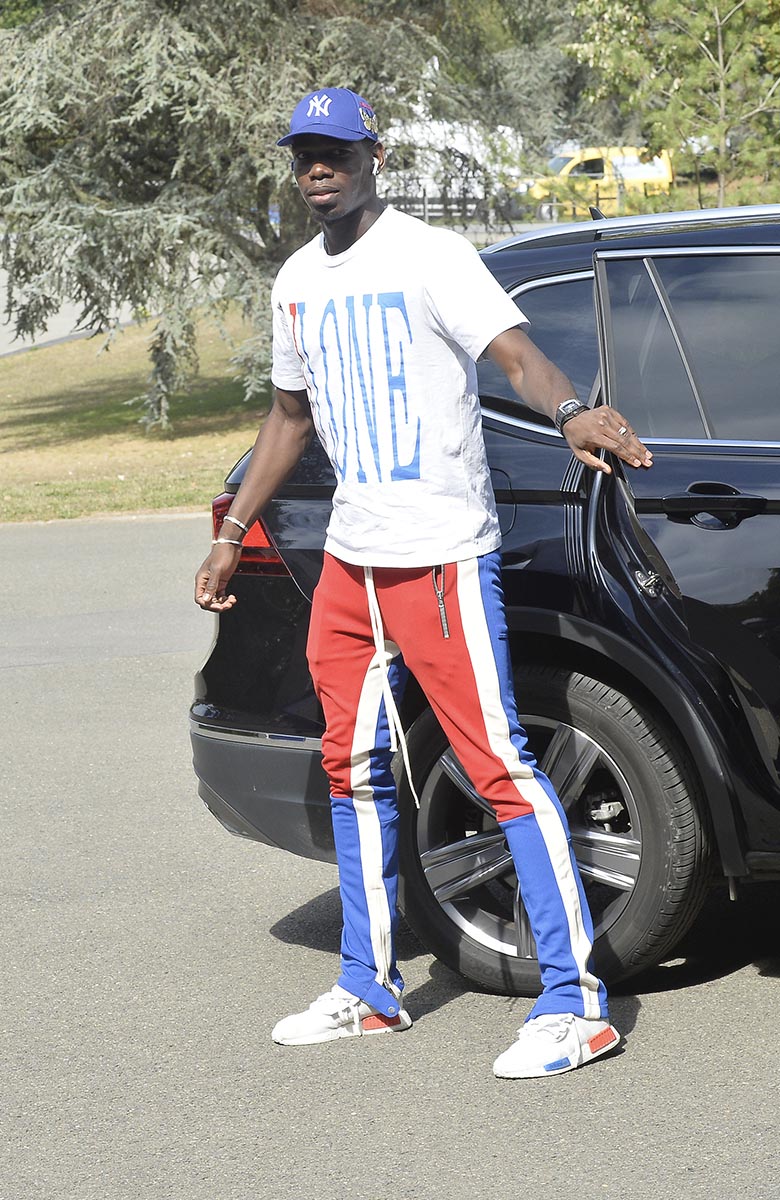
(643, 609)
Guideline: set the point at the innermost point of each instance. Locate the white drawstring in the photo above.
(384, 658)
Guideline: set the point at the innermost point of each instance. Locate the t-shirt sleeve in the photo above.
(286, 367)
(466, 300)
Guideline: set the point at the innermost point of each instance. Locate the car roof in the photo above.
(569, 247)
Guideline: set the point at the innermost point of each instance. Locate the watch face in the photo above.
(565, 409)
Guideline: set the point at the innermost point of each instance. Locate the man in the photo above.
(378, 323)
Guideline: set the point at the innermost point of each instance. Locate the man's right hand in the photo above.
(213, 576)
(279, 447)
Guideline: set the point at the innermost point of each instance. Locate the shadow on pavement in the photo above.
(726, 937)
(317, 924)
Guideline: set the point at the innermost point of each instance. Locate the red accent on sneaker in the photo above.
(600, 1040)
(379, 1021)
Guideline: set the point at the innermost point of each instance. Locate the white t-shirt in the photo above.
(384, 339)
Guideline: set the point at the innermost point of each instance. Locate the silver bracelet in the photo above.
(235, 521)
(220, 541)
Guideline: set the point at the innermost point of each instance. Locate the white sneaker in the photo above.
(337, 1014)
(554, 1043)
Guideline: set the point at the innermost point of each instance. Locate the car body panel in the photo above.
(291, 810)
(574, 545)
(711, 509)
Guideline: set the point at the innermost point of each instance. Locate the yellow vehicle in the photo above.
(602, 175)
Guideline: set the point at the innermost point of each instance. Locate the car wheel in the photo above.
(636, 821)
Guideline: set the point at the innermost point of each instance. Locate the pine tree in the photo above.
(138, 158)
(704, 79)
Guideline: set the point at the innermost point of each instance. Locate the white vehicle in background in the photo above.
(450, 170)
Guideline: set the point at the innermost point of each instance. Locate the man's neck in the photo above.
(340, 235)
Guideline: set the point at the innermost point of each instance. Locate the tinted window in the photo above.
(563, 326)
(592, 167)
(647, 373)
(728, 312)
(694, 345)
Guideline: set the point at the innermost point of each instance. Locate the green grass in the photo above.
(71, 444)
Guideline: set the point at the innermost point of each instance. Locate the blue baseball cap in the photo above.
(333, 112)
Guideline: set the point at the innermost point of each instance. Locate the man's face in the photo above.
(334, 176)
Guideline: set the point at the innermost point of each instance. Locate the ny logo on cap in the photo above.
(319, 106)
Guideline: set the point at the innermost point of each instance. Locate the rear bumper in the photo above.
(266, 787)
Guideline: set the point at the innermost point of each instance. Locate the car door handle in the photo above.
(723, 503)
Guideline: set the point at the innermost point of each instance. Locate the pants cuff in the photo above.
(382, 999)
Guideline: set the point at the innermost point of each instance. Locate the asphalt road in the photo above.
(61, 327)
(147, 953)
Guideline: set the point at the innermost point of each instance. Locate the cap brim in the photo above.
(336, 132)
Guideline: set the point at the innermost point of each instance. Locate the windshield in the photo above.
(556, 165)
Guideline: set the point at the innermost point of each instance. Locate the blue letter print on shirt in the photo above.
(339, 422)
(396, 383)
(329, 442)
(356, 368)
(344, 393)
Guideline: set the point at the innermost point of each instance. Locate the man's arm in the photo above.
(279, 447)
(541, 385)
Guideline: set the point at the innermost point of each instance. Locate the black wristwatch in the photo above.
(567, 410)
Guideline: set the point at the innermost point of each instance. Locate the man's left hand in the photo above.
(604, 429)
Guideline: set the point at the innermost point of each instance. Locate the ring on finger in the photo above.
(622, 431)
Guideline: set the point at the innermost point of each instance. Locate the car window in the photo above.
(693, 345)
(592, 167)
(727, 309)
(648, 381)
(563, 326)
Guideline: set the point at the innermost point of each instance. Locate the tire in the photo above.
(636, 821)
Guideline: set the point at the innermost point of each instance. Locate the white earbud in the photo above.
(375, 167)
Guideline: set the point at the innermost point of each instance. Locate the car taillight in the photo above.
(259, 556)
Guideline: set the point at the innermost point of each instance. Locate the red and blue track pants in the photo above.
(467, 679)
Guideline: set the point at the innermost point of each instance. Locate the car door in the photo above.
(690, 346)
(527, 456)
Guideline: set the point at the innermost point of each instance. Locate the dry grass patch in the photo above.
(71, 445)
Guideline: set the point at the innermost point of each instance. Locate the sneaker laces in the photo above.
(337, 1003)
(557, 1027)
(337, 997)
